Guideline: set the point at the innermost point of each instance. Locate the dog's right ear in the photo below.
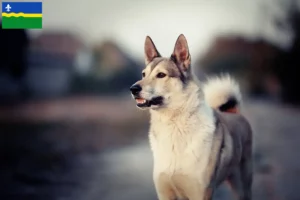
(181, 55)
(150, 51)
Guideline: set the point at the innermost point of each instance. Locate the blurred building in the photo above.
(251, 61)
(52, 64)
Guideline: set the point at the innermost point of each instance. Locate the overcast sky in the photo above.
(129, 21)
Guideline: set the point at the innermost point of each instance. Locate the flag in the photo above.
(22, 15)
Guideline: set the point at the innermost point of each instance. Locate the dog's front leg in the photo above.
(200, 193)
(163, 187)
(194, 189)
(208, 194)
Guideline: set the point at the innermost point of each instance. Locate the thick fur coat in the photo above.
(197, 136)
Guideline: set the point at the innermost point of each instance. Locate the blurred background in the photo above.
(69, 129)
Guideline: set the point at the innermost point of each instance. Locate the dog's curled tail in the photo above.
(223, 93)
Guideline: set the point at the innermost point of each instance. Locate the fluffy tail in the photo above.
(223, 93)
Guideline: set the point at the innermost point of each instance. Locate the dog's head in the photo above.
(163, 79)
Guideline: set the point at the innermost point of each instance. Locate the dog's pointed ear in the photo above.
(150, 51)
(181, 55)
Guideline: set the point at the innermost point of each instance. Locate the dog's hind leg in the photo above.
(246, 175)
(246, 168)
(236, 184)
(241, 179)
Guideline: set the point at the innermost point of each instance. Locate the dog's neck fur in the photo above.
(190, 106)
(183, 129)
(179, 131)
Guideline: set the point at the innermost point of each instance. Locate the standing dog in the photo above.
(197, 136)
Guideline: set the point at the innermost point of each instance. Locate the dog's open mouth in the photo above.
(141, 102)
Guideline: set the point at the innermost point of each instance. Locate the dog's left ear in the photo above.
(181, 55)
(150, 51)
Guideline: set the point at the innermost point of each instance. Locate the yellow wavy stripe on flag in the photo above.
(21, 15)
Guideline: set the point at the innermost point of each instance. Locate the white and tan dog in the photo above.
(197, 136)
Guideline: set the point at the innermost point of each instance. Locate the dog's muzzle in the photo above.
(141, 102)
(156, 101)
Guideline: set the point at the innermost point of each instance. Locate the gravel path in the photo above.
(51, 162)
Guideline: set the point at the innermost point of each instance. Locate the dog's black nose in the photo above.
(135, 89)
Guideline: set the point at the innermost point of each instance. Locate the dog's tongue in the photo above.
(140, 101)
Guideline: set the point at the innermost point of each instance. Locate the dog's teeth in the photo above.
(141, 101)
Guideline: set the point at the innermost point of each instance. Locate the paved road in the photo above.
(80, 162)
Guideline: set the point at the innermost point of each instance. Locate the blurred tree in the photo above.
(14, 46)
(14, 65)
(250, 61)
(113, 71)
(266, 67)
(287, 64)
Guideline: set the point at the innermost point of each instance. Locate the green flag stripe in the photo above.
(22, 22)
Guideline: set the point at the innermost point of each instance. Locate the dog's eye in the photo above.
(143, 74)
(160, 75)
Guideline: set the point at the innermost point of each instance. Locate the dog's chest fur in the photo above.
(181, 146)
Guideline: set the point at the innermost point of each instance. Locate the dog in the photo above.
(197, 135)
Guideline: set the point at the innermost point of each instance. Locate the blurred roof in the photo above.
(64, 43)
